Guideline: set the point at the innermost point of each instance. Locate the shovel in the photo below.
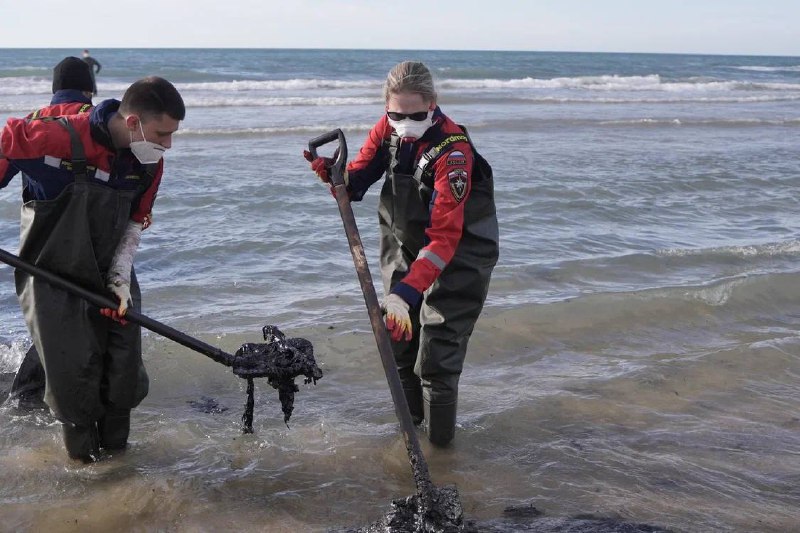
(431, 499)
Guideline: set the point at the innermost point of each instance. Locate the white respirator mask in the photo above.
(408, 128)
(145, 151)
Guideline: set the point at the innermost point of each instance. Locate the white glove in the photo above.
(118, 279)
(397, 320)
(121, 290)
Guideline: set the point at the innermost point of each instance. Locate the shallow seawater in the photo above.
(637, 358)
(692, 431)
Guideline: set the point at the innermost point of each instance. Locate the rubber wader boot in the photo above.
(412, 390)
(114, 428)
(82, 442)
(405, 356)
(30, 400)
(441, 418)
(29, 383)
(414, 399)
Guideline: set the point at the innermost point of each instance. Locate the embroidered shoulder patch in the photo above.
(456, 158)
(458, 183)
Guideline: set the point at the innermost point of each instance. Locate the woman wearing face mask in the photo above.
(91, 180)
(439, 239)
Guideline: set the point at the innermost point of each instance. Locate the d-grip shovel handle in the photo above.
(337, 169)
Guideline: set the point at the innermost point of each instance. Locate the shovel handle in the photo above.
(104, 301)
(337, 169)
(418, 464)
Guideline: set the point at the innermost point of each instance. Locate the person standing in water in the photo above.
(72, 95)
(439, 239)
(94, 66)
(94, 178)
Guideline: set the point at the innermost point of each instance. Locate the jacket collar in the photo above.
(98, 121)
(68, 96)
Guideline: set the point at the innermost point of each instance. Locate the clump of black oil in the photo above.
(439, 510)
(280, 360)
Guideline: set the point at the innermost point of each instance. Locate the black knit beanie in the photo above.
(72, 73)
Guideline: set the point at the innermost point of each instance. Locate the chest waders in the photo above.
(93, 365)
(430, 364)
(29, 381)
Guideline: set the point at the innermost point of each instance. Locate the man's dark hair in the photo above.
(153, 96)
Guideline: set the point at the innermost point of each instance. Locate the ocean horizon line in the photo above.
(457, 50)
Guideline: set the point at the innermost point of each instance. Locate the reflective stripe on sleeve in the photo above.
(437, 261)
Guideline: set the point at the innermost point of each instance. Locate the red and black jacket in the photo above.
(452, 179)
(41, 150)
(64, 102)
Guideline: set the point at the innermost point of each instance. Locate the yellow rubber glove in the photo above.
(397, 320)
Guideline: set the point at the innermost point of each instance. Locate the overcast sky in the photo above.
(769, 27)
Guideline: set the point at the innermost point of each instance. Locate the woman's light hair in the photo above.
(410, 77)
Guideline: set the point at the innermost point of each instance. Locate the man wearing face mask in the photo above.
(439, 239)
(93, 180)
